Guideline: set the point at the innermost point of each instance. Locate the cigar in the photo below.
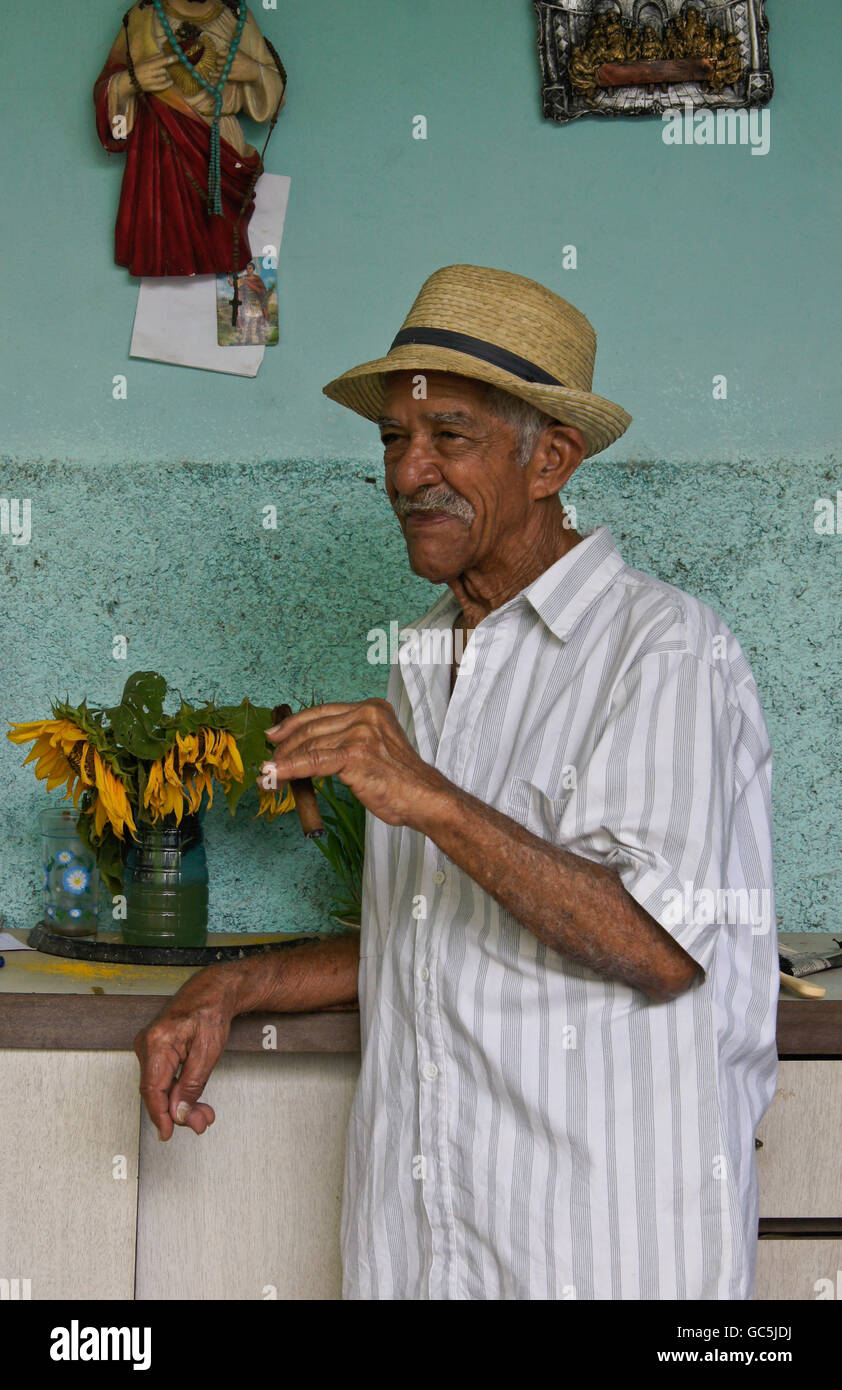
(303, 790)
(659, 72)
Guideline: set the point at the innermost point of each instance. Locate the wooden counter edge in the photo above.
(809, 1028)
(103, 1022)
(110, 1022)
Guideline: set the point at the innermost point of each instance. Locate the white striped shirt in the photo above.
(524, 1128)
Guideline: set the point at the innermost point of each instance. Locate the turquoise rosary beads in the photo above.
(214, 164)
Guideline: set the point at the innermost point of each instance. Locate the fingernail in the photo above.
(161, 1137)
(275, 729)
(182, 1110)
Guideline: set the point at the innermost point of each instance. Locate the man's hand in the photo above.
(193, 1029)
(366, 748)
(191, 1033)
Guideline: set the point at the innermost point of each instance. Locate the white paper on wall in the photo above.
(175, 319)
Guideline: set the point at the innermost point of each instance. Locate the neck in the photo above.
(194, 11)
(481, 590)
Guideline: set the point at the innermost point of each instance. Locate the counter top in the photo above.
(50, 1003)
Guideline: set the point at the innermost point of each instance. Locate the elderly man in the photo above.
(568, 1011)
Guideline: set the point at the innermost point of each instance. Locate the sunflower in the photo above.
(275, 803)
(162, 796)
(62, 754)
(223, 755)
(185, 774)
(195, 788)
(112, 802)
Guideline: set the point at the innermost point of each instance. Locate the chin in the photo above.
(438, 569)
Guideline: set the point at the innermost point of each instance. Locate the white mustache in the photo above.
(436, 500)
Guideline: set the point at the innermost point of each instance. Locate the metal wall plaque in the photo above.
(644, 57)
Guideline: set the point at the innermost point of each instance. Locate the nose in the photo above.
(416, 467)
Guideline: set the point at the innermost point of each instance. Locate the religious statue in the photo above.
(176, 76)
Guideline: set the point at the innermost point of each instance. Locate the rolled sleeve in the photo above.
(663, 772)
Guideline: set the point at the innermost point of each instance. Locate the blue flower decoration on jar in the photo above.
(75, 912)
(51, 912)
(75, 879)
(64, 856)
(46, 877)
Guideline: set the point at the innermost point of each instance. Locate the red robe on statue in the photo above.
(163, 226)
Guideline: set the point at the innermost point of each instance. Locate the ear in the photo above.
(558, 453)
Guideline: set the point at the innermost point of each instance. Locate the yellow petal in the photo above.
(23, 733)
(52, 763)
(235, 761)
(100, 817)
(169, 769)
(40, 749)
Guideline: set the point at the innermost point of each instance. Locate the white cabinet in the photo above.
(92, 1206)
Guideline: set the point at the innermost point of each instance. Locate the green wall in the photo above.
(147, 512)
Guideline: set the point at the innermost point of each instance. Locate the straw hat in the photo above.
(503, 329)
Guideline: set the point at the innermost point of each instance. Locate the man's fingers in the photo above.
(198, 1117)
(291, 740)
(157, 1102)
(185, 1093)
(290, 725)
(320, 762)
(158, 1067)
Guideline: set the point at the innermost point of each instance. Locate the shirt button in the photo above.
(431, 1071)
(439, 876)
(425, 974)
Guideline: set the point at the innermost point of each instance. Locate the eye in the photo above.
(451, 434)
(388, 438)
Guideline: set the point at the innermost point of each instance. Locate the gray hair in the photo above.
(525, 419)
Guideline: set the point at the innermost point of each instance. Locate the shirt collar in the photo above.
(564, 591)
(561, 594)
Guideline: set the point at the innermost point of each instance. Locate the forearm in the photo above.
(317, 974)
(573, 905)
(244, 69)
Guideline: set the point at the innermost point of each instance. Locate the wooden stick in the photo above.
(658, 72)
(303, 790)
(803, 988)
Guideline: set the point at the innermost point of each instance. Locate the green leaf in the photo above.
(189, 720)
(142, 779)
(135, 722)
(343, 844)
(248, 724)
(108, 851)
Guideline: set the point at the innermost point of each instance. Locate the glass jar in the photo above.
(165, 882)
(71, 879)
